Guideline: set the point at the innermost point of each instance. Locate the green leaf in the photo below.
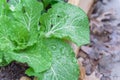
(38, 57)
(64, 64)
(30, 72)
(2, 6)
(27, 13)
(3, 62)
(13, 35)
(5, 43)
(66, 21)
(14, 3)
(1, 57)
(19, 35)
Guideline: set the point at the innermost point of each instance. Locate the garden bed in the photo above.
(98, 60)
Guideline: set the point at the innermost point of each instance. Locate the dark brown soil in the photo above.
(13, 71)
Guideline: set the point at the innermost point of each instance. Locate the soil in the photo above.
(14, 71)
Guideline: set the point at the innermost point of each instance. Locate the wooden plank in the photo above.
(83, 4)
(74, 2)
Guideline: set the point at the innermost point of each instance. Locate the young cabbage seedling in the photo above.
(28, 34)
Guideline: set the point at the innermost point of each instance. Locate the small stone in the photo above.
(25, 78)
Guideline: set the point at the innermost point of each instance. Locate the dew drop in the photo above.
(74, 60)
(53, 47)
